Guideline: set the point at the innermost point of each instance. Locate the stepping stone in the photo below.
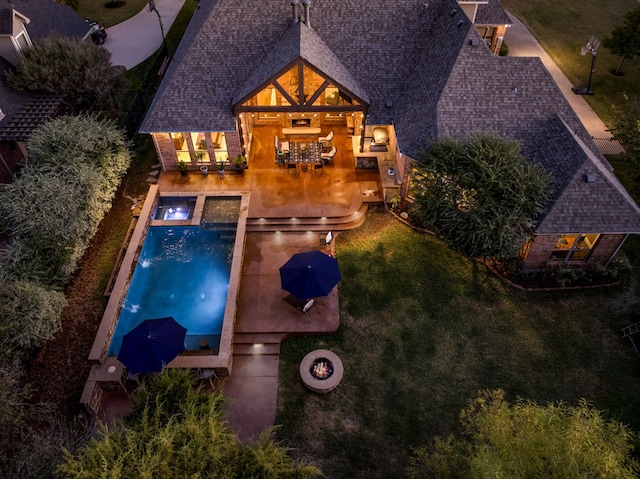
(155, 173)
(152, 179)
(156, 166)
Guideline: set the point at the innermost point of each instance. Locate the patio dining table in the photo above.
(307, 152)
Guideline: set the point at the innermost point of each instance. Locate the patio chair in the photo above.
(329, 137)
(208, 374)
(327, 157)
(292, 166)
(318, 166)
(281, 144)
(302, 305)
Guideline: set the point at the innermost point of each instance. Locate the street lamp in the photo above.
(592, 46)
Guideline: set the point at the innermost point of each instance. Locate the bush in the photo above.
(30, 315)
(72, 173)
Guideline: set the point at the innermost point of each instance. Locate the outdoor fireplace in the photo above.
(301, 122)
(321, 371)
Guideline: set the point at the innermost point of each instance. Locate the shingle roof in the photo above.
(380, 43)
(6, 21)
(425, 70)
(301, 41)
(492, 13)
(49, 17)
(31, 115)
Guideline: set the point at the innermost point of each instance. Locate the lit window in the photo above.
(574, 247)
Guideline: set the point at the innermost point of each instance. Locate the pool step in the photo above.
(336, 223)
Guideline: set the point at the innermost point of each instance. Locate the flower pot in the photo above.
(204, 170)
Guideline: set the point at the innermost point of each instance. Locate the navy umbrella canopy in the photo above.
(151, 345)
(310, 274)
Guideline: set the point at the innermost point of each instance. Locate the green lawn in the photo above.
(562, 27)
(98, 10)
(423, 329)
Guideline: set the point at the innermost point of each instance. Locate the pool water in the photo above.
(175, 208)
(182, 272)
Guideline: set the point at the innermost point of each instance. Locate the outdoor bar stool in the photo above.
(292, 166)
(318, 166)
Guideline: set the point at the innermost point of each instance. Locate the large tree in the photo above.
(481, 194)
(177, 431)
(81, 71)
(624, 39)
(626, 127)
(525, 440)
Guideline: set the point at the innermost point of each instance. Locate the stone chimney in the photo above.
(307, 20)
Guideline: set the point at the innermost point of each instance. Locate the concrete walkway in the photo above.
(136, 39)
(521, 43)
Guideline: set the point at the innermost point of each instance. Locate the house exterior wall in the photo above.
(10, 155)
(234, 147)
(166, 150)
(543, 245)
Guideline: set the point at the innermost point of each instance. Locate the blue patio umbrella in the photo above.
(151, 345)
(310, 274)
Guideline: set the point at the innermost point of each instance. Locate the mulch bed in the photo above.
(61, 367)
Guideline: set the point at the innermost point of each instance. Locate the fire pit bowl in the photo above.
(321, 371)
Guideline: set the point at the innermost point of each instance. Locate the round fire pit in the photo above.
(321, 371)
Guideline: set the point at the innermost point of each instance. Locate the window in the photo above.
(22, 41)
(574, 247)
(181, 146)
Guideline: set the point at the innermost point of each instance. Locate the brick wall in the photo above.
(605, 248)
(166, 150)
(543, 246)
(234, 147)
(10, 155)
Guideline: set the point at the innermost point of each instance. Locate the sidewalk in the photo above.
(521, 43)
(136, 39)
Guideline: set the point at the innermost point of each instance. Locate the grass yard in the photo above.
(98, 10)
(562, 27)
(423, 329)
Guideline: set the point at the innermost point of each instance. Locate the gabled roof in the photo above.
(48, 17)
(300, 42)
(379, 42)
(492, 13)
(32, 114)
(588, 196)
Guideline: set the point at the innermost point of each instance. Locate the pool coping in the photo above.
(220, 360)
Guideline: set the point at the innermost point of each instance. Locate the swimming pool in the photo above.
(181, 272)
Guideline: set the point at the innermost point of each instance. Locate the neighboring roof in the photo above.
(492, 13)
(48, 17)
(31, 115)
(6, 20)
(10, 100)
(301, 41)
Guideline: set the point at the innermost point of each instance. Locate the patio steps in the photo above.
(335, 223)
(257, 344)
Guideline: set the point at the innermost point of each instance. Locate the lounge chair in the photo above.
(327, 157)
(302, 305)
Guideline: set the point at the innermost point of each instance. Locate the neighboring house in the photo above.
(23, 23)
(396, 81)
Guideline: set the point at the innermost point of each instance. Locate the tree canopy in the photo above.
(481, 194)
(626, 127)
(624, 40)
(81, 71)
(177, 431)
(524, 440)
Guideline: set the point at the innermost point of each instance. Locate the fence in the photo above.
(144, 95)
